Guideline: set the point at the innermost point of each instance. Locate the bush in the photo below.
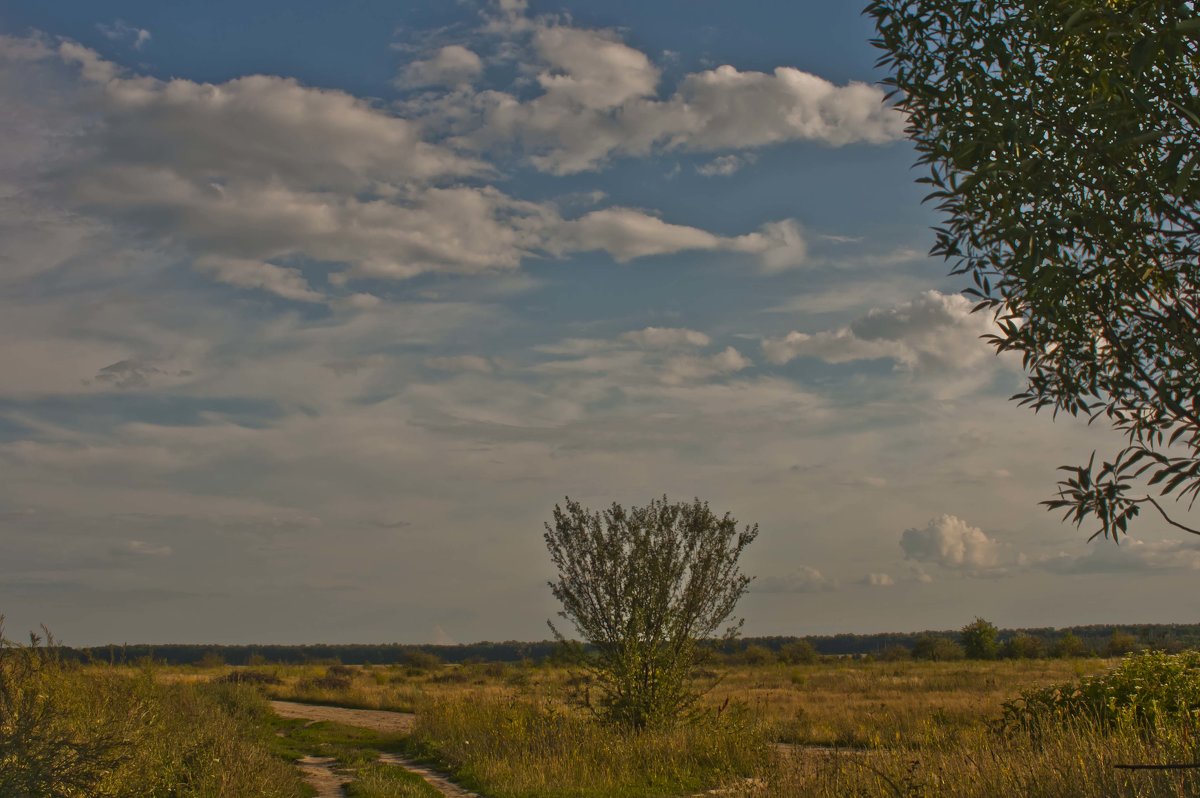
(799, 652)
(1145, 690)
(936, 648)
(1023, 647)
(248, 677)
(1069, 646)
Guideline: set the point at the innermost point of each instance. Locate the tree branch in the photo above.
(1168, 518)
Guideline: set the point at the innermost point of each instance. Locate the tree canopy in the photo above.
(1060, 140)
(643, 587)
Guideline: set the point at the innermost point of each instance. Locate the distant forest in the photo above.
(1081, 641)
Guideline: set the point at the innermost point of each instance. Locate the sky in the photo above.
(310, 313)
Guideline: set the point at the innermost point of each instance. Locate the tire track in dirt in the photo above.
(318, 772)
(315, 768)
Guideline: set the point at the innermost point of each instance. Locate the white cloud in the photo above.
(123, 31)
(591, 69)
(453, 65)
(804, 579)
(457, 363)
(1132, 555)
(627, 234)
(599, 100)
(666, 338)
(878, 580)
(260, 169)
(951, 542)
(646, 356)
(141, 548)
(934, 333)
(282, 281)
(725, 165)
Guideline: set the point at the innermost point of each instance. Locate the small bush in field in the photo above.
(1145, 690)
(248, 677)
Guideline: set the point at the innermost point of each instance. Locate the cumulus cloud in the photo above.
(878, 580)
(804, 579)
(933, 333)
(951, 542)
(599, 100)
(453, 66)
(261, 169)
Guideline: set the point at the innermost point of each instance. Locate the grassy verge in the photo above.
(357, 752)
(529, 749)
(114, 733)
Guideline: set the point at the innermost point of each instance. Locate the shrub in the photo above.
(1145, 690)
(1023, 647)
(799, 652)
(1068, 646)
(248, 677)
(936, 648)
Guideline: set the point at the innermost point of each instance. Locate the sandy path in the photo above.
(318, 772)
(376, 719)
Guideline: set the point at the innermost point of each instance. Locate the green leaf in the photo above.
(1141, 54)
(1188, 25)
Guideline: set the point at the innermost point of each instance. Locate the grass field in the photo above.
(835, 728)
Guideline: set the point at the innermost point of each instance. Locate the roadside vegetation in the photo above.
(118, 732)
(778, 723)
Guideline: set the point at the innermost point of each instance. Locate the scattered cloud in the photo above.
(140, 548)
(804, 579)
(282, 281)
(121, 31)
(599, 99)
(666, 338)
(459, 363)
(933, 333)
(452, 66)
(725, 165)
(1131, 556)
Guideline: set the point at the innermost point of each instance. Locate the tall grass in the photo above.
(1076, 760)
(68, 731)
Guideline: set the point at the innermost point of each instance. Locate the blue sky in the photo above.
(309, 314)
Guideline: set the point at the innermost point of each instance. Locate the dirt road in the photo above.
(376, 719)
(319, 773)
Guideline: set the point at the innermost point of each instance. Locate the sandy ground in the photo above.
(319, 772)
(366, 718)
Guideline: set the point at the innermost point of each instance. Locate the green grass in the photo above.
(533, 749)
(357, 752)
(103, 732)
(377, 780)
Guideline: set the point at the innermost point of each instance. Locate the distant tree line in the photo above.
(1075, 641)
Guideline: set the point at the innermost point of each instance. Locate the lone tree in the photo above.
(1062, 142)
(980, 639)
(643, 587)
